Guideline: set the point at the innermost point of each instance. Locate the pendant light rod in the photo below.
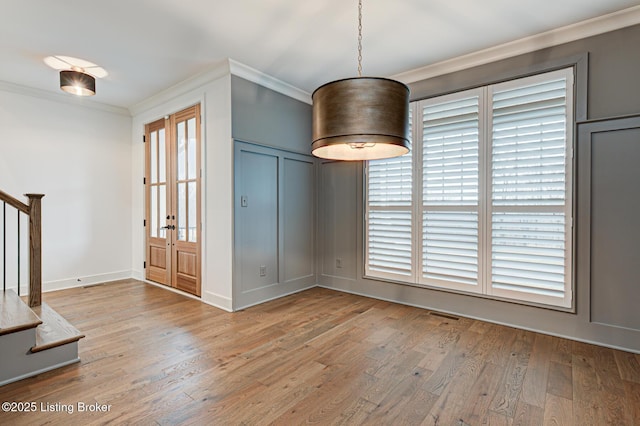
(359, 38)
(360, 118)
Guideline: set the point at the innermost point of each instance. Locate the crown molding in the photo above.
(225, 67)
(590, 27)
(192, 83)
(265, 80)
(62, 98)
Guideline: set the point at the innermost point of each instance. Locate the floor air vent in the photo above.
(440, 314)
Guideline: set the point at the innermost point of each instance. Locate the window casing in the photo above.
(483, 203)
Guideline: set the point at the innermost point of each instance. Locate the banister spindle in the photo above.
(4, 246)
(18, 215)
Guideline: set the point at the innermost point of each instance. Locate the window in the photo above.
(390, 217)
(483, 203)
(451, 129)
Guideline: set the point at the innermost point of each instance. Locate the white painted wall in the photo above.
(213, 92)
(79, 157)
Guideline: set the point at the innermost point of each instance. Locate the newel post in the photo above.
(35, 249)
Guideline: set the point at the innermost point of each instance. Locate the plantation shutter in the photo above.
(389, 250)
(450, 190)
(530, 198)
(491, 209)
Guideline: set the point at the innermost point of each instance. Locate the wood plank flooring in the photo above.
(151, 357)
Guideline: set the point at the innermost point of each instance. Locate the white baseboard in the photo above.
(138, 275)
(218, 301)
(85, 281)
(297, 290)
(213, 303)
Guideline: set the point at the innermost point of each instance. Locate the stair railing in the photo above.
(34, 211)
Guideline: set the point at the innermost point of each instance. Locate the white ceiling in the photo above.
(150, 45)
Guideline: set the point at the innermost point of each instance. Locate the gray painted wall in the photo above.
(615, 236)
(298, 215)
(609, 153)
(256, 219)
(275, 231)
(263, 116)
(608, 292)
(337, 225)
(274, 213)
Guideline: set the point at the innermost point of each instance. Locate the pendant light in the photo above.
(360, 118)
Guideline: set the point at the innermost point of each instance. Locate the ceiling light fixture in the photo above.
(360, 118)
(77, 82)
(77, 76)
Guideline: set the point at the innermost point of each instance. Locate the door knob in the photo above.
(168, 227)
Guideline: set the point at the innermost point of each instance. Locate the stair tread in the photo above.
(54, 330)
(15, 315)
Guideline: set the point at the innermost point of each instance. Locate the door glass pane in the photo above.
(181, 139)
(154, 211)
(191, 133)
(153, 160)
(182, 211)
(193, 225)
(163, 210)
(162, 162)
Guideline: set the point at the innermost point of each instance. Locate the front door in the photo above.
(172, 191)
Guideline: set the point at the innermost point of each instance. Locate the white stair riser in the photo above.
(18, 362)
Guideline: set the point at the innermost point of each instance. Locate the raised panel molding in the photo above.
(282, 206)
(338, 222)
(298, 216)
(608, 229)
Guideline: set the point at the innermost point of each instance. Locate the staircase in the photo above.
(33, 338)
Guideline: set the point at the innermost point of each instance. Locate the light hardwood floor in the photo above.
(319, 357)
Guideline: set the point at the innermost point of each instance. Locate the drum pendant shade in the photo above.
(361, 118)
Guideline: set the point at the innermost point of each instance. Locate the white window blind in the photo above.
(450, 246)
(529, 144)
(528, 253)
(389, 216)
(390, 242)
(483, 203)
(450, 151)
(530, 238)
(450, 190)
